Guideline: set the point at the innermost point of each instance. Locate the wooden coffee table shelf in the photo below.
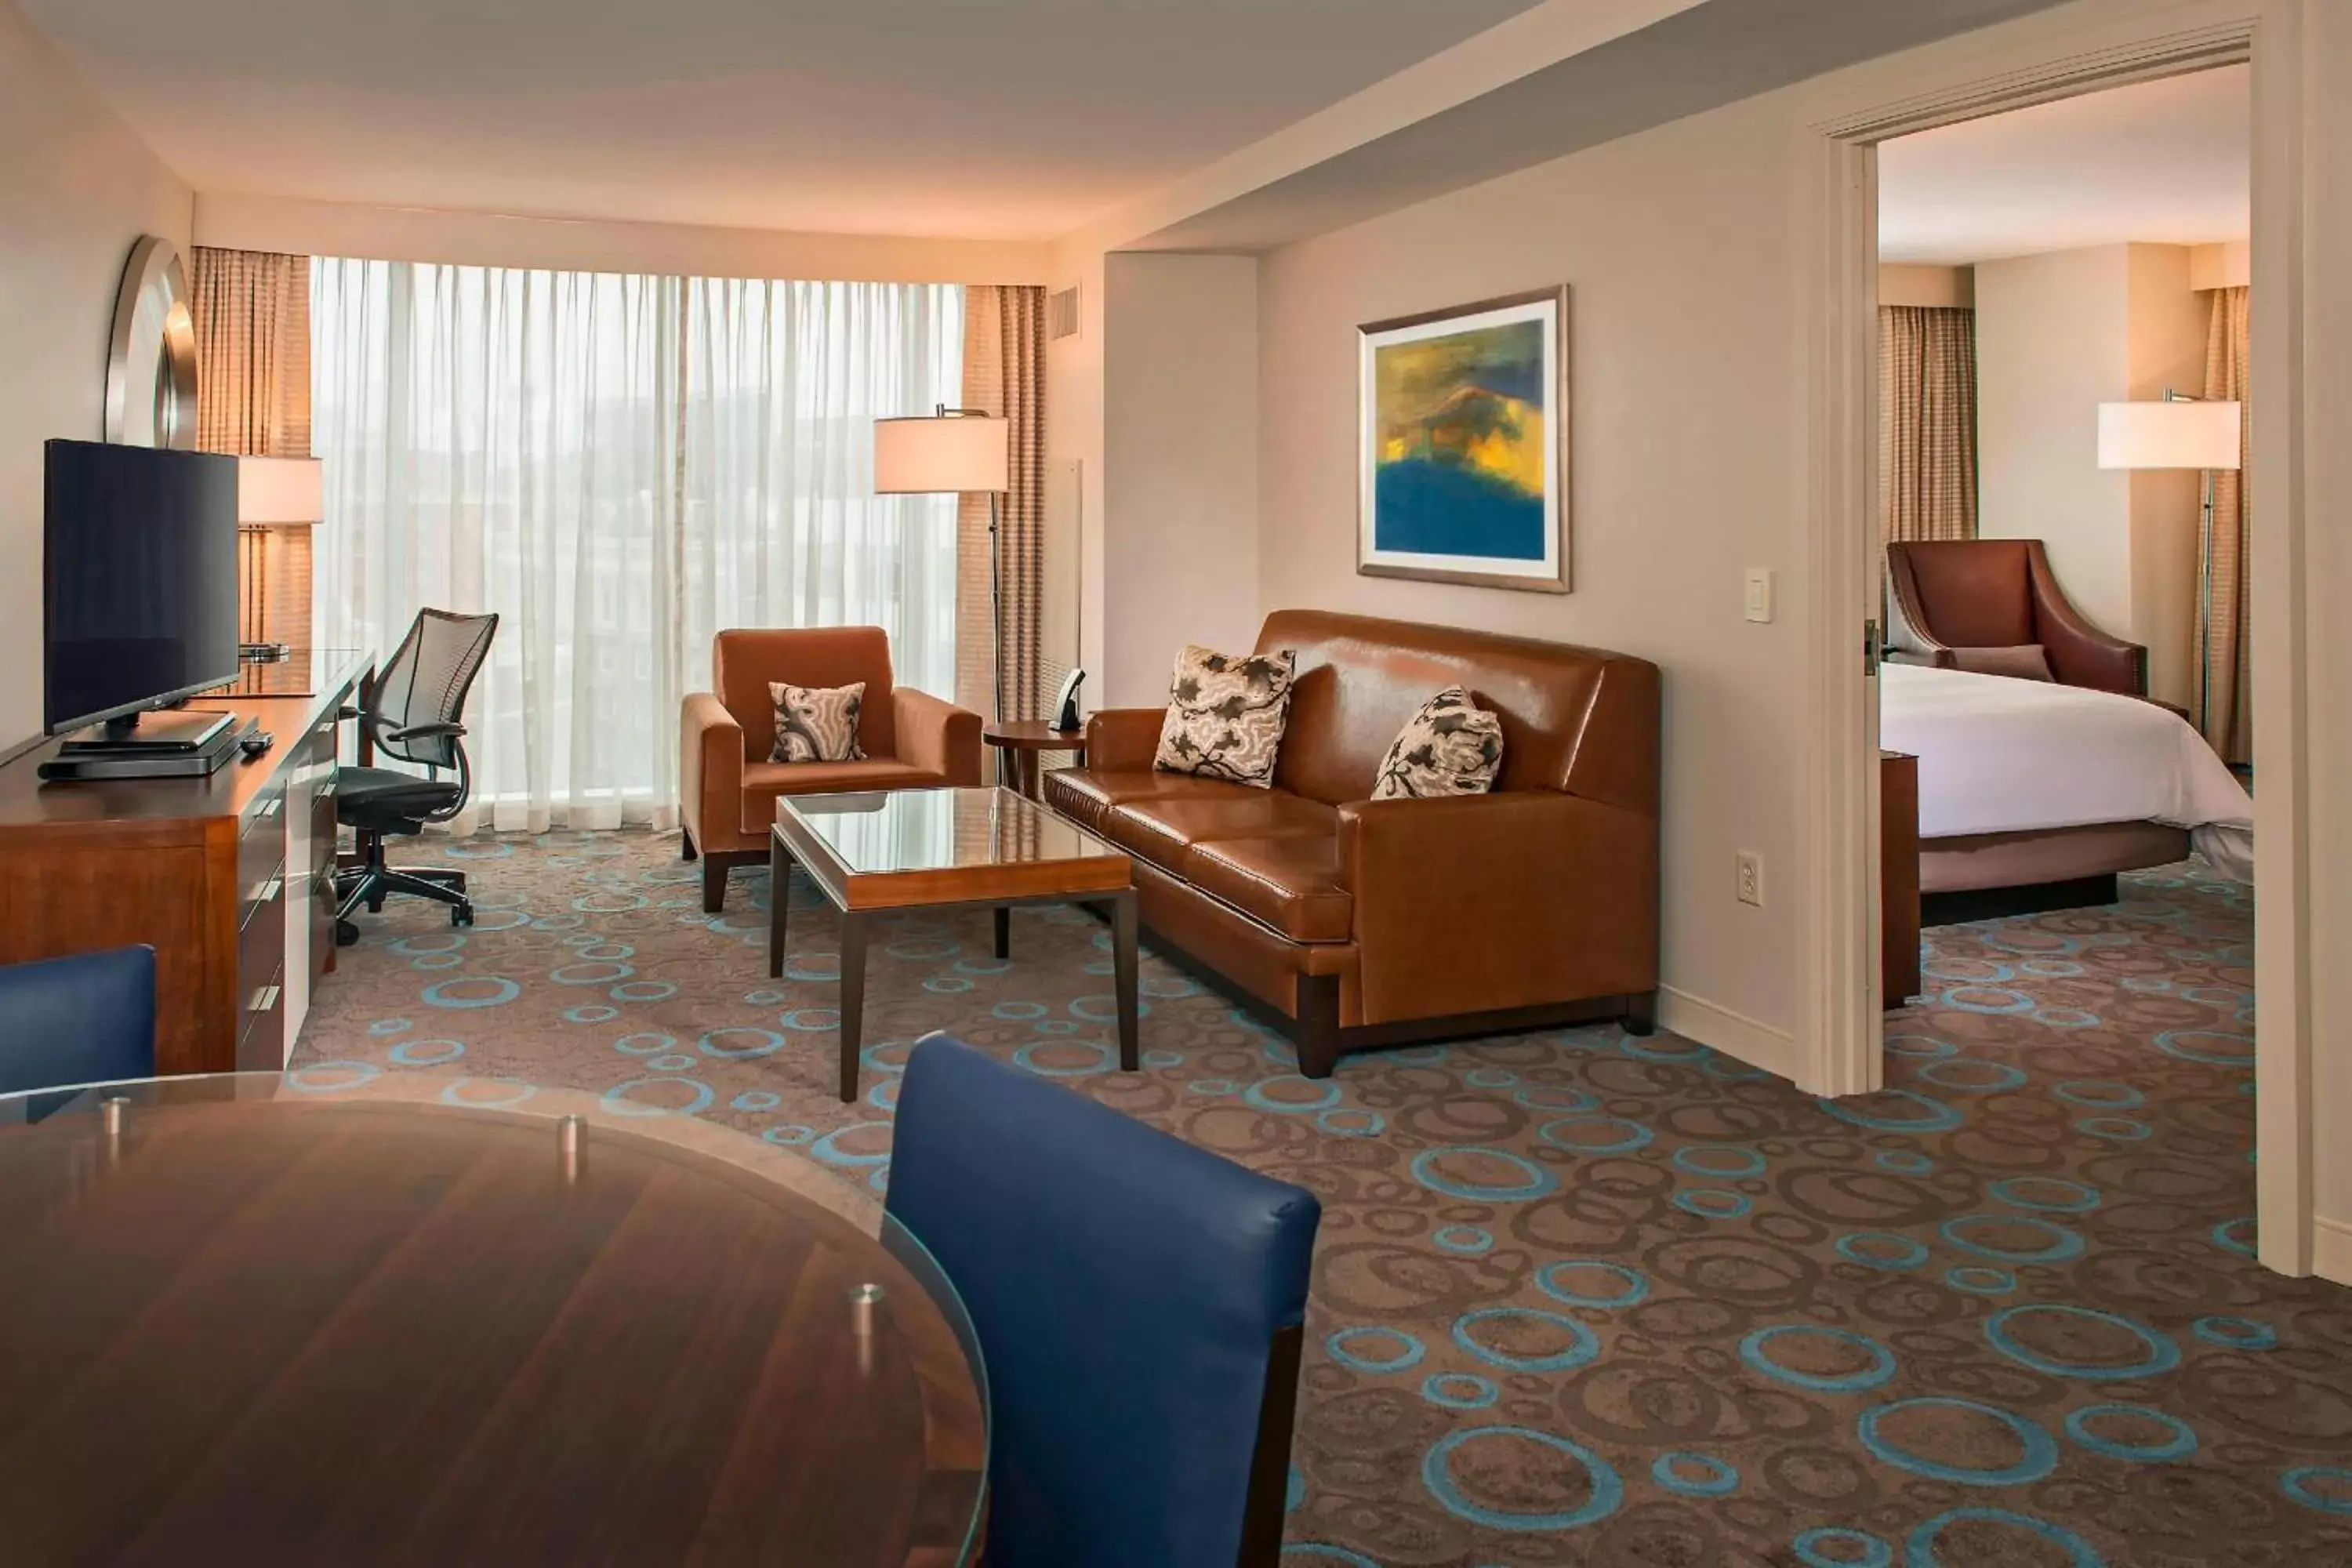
(946, 850)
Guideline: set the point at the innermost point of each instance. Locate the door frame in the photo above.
(2061, 54)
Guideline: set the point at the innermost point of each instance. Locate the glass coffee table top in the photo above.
(887, 832)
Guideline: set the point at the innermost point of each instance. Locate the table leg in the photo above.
(853, 1000)
(780, 897)
(1004, 931)
(1123, 962)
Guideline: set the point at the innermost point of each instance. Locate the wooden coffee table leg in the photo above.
(853, 1000)
(1123, 962)
(1004, 931)
(780, 888)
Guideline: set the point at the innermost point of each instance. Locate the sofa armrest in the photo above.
(936, 736)
(710, 773)
(1471, 903)
(1124, 739)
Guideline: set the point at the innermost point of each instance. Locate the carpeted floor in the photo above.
(1580, 1298)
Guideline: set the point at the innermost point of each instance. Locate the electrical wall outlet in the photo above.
(1751, 877)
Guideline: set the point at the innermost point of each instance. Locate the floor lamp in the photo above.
(958, 451)
(2180, 432)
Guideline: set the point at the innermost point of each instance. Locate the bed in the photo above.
(2034, 795)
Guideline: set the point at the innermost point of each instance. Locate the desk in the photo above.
(230, 879)
(1898, 879)
(331, 1319)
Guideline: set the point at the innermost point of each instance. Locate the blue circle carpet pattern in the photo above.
(1580, 1298)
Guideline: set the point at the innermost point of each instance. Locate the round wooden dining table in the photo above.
(338, 1317)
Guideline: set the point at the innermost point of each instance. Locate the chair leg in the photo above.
(416, 887)
(1642, 1013)
(714, 884)
(1318, 1025)
(686, 844)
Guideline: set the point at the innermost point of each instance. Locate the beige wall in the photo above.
(2057, 335)
(77, 189)
(1689, 464)
(1180, 411)
(1947, 287)
(489, 240)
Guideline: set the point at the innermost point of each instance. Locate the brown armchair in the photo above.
(1945, 598)
(728, 787)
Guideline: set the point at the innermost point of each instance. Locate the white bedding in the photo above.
(2002, 755)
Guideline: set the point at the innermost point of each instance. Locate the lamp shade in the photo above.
(279, 490)
(948, 452)
(2182, 435)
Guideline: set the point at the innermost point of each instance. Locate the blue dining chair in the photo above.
(1139, 1305)
(90, 1018)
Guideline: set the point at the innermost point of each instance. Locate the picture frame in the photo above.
(1462, 444)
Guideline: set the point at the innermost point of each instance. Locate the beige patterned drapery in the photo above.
(251, 313)
(2228, 717)
(1926, 422)
(1004, 374)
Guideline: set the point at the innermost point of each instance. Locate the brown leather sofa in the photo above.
(728, 788)
(1357, 922)
(1948, 596)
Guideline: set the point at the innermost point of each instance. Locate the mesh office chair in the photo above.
(411, 713)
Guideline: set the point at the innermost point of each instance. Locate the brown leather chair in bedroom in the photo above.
(727, 786)
(1977, 603)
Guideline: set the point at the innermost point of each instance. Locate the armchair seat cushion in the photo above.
(1163, 830)
(1085, 795)
(1289, 883)
(763, 782)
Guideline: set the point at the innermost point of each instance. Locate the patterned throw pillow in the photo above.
(816, 723)
(1225, 715)
(1451, 747)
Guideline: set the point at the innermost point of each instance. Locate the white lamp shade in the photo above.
(950, 452)
(280, 489)
(2169, 434)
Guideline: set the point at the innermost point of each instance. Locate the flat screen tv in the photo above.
(138, 579)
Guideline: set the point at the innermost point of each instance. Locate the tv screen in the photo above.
(138, 579)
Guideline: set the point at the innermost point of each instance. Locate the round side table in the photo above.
(1018, 742)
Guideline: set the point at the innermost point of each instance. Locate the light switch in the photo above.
(1760, 594)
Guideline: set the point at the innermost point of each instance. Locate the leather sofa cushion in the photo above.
(743, 662)
(764, 782)
(1291, 882)
(1084, 794)
(1160, 830)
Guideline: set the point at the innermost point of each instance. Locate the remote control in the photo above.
(255, 742)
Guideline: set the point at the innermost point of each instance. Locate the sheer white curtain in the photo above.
(620, 465)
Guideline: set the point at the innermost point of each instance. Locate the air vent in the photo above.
(1061, 313)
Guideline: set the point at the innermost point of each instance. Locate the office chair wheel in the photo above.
(461, 915)
(346, 933)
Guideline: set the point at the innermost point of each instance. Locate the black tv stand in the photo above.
(180, 731)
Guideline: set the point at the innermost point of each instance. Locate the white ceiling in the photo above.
(981, 118)
(2165, 162)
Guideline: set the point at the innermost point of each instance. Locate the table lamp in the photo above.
(958, 451)
(2178, 432)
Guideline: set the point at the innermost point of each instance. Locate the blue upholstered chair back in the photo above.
(1131, 1294)
(90, 1018)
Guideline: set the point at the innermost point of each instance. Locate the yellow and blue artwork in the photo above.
(1464, 421)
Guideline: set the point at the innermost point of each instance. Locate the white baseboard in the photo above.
(1759, 1045)
(2331, 1250)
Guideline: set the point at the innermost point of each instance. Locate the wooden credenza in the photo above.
(1898, 877)
(231, 879)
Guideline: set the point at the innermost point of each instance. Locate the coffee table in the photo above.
(883, 853)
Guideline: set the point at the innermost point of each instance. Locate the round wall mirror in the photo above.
(150, 368)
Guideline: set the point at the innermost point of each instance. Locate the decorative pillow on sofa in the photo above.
(1225, 715)
(2024, 662)
(1451, 747)
(816, 723)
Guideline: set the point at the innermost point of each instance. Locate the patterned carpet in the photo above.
(1581, 1298)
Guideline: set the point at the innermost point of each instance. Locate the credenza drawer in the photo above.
(261, 949)
(261, 846)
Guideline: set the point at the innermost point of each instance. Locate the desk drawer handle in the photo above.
(269, 807)
(263, 1000)
(268, 891)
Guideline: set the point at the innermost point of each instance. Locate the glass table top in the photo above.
(895, 831)
(465, 1261)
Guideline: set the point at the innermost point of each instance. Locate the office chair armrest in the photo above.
(424, 732)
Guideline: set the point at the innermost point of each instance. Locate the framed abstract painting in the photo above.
(1463, 445)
